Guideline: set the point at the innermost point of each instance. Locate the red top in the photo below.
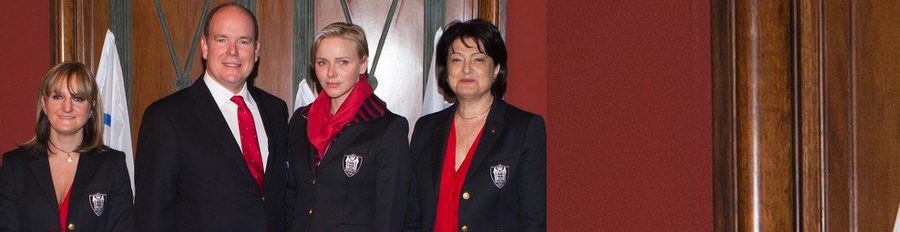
(64, 211)
(447, 218)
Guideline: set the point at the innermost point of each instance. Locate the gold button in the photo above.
(71, 226)
(310, 211)
(464, 228)
(466, 195)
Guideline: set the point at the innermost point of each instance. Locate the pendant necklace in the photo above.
(69, 158)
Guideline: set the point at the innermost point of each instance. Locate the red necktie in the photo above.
(249, 141)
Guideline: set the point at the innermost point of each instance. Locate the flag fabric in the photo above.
(304, 96)
(117, 126)
(433, 101)
(897, 221)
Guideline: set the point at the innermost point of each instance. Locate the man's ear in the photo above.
(256, 57)
(204, 49)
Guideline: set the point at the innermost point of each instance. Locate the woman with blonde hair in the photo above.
(64, 177)
(351, 155)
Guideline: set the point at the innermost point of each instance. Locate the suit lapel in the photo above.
(342, 140)
(88, 164)
(209, 114)
(438, 150)
(493, 127)
(265, 113)
(40, 168)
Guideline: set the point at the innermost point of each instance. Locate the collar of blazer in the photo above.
(371, 109)
(208, 113)
(493, 126)
(87, 166)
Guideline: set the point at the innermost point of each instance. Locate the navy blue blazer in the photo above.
(28, 201)
(505, 188)
(190, 174)
(361, 182)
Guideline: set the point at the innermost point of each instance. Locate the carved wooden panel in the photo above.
(78, 30)
(829, 82)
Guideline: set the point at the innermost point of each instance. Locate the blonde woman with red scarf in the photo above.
(351, 155)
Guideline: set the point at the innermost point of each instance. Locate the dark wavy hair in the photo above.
(489, 41)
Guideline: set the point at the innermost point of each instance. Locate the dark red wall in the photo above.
(628, 107)
(526, 40)
(25, 59)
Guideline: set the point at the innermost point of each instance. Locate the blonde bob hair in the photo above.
(85, 87)
(350, 32)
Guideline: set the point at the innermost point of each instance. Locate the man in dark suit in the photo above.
(212, 157)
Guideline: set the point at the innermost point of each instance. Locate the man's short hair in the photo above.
(226, 5)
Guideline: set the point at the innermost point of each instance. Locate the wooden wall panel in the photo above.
(764, 115)
(837, 115)
(154, 73)
(724, 153)
(62, 30)
(808, 97)
(78, 31)
(276, 49)
(876, 94)
(842, 115)
(489, 10)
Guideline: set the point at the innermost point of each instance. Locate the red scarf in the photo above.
(322, 126)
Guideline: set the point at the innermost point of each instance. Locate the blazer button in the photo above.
(71, 226)
(313, 181)
(310, 211)
(464, 228)
(466, 195)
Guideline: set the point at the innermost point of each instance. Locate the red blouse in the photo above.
(64, 211)
(447, 218)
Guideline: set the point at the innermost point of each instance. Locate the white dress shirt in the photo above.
(222, 96)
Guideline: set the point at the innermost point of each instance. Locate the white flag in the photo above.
(434, 101)
(117, 126)
(897, 221)
(305, 95)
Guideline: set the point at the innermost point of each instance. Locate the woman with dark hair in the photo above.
(64, 178)
(350, 152)
(480, 165)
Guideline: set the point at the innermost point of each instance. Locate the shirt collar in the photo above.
(222, 95)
